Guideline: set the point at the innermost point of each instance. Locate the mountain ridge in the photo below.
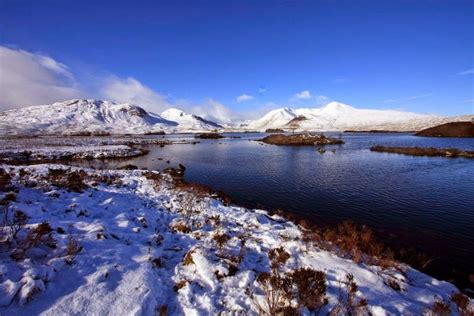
(78, 116)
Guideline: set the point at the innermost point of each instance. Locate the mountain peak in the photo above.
(173, 112)
(336, 106)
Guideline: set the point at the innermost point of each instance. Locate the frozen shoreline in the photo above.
(149, 244)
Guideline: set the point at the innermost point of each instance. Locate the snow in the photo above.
(96, 116)
(189, 122)
(135, 260)
(70, 152)
(336, 116)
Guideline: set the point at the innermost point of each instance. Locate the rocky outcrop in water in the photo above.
(301, 140)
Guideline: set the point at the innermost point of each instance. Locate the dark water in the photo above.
(427, 203)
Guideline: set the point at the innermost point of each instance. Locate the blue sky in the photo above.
(410, 55)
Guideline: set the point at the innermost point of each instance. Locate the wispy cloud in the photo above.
(466, 72)
(410, 98)
(29, 79)
(244, 98)
(303, 95)
(262, 90)
(420, 96)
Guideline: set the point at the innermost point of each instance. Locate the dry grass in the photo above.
(67, 179)
(347, 302)
(72, 249)
(180, 227)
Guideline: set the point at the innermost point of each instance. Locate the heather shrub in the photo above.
(310, 286)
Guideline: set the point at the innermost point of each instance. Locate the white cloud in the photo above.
(31, 79)
(303, 95)
(466, 72)
(130, 90)
(262, 90)
(243, 98)
(420, 96)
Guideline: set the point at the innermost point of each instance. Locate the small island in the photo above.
(209, 136)
(425, 151)
(306, 139)
(453, 129)
(274, 130)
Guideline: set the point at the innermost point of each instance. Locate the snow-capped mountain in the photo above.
(79, 116)
(337, 116)
(189, 122)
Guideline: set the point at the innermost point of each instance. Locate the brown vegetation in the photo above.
(425, 151)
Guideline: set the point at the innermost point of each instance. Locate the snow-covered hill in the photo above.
(337, 116)
(80, 116)
(187, 121)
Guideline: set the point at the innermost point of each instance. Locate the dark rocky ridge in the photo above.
(425, 151)
(453, 129)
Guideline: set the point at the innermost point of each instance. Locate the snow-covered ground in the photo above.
(69, 152)
(135, 243)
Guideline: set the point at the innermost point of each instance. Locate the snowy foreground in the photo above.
(135, 243)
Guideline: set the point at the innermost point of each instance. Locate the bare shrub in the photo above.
(277, 294)
(310, 289)
(347, 301)
(5, 179)
(278, 256)
(439, 308)
(38, 236)
(18, 223)
(221, 239)
(72, 249)
(180, 227)
(462, 304)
